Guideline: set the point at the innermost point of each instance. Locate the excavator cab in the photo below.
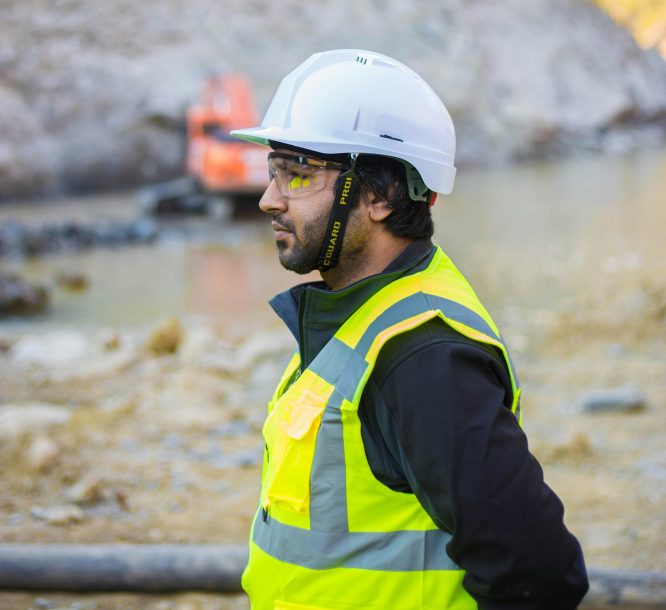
(220, 163)
(221, 171)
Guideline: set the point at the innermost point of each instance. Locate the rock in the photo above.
(182, 416)
(231, 429)
(21, 297)
(111, 340)
(6, 343)
(25, 143)
(222, 361)
(11, 238)
(520, 79)
(143, 230)
(95, 493)
(43, 453)
(52, 349)
(258, 348)
(95, 365)
(17, 240)
(264, 344)
(199, 342)
(64, 514)
(109, 233)
(60, 235)
(575, 450)
(73, 280)
(166, 338)
(17, 419)
(625, 399)
(65, 355)
(88, 490)
(15, 519)
(248, 457)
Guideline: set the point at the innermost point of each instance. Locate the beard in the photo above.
(303, 255)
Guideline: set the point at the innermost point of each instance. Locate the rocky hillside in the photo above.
(92, 94)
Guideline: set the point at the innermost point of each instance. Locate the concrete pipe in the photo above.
(172, 567)
(626, 589)
(122, 567)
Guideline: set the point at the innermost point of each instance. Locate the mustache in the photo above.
(283, 222)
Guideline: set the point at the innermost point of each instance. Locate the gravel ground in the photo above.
(150, 432)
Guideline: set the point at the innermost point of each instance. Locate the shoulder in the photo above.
(435, 352)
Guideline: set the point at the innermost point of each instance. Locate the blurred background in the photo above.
(137, 350)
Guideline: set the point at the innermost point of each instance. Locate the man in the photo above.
(396, 475)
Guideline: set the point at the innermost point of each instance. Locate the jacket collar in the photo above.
(313, 312)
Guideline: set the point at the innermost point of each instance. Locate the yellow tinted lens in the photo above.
(300, 183)
(294, 178)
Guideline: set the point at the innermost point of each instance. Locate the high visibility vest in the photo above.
(327, 534)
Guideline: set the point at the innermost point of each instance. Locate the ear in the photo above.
(377, 206)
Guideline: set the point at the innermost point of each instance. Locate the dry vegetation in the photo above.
(645, 18)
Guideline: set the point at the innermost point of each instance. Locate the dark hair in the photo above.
(387, 178)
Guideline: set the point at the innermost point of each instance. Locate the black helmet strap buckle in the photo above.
(345, 196)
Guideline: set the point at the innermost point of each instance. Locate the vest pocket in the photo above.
(290, 434)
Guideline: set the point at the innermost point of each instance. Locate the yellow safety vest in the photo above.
(328, 535)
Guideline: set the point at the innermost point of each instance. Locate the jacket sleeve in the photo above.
(441, 410)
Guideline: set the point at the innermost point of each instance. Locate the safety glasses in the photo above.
(296, 174)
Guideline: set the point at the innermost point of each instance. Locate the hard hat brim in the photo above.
(437, 176)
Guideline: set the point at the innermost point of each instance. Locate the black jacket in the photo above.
(436, 422)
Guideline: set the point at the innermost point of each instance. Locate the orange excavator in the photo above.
(222, 171)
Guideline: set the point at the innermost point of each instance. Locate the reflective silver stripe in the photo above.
(328, 493)
(513, 368)
(418, 303)
(515, 377)
(415, 304)
(344, 367)
(341, 366)
(329, 543)
(462, 314)
(401, 551)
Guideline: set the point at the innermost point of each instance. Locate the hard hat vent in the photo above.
(361, 60)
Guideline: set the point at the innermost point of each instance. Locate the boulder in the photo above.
(165, 338)
(31, 417)
(60, 514)
(20, 297)
(624, 399)
(72, 279)
(52, 349)
(43, 453)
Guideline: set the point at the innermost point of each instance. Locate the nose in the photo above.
(272, 202)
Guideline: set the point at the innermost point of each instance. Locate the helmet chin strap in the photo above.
(345, 195)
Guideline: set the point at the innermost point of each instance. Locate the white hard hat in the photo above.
(351, 101)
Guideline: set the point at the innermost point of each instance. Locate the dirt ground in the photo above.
(161, 439)
(151, 434)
